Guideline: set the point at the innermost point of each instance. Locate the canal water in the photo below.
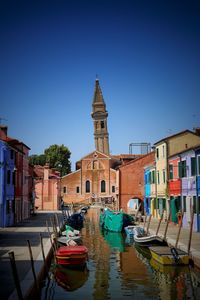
(117, 269)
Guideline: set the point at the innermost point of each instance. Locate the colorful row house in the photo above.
(150, 190)
(16, 183)
(171, 184)
(7, 184)
(184, 171)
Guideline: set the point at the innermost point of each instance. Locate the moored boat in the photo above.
(132, 230)
(149, 240)
(72, 255)
(76, 220)
(114, 221)
(169, 256)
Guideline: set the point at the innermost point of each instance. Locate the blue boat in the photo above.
(132, 230)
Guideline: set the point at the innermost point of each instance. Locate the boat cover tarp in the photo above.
(115, 221)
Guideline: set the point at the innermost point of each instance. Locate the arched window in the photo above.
(103, 186)
(87, 186)
(64, 189)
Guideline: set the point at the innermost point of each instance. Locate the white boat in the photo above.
(149, 239)
(69, 241)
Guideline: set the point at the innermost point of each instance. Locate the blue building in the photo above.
(7, 184)
(147, 190)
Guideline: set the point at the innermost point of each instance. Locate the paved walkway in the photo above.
(15, 238)
(183, 241)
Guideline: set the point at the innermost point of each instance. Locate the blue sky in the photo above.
(146, 55)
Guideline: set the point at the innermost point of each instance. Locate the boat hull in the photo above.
(72, 255)
(164, 256)
(149, 240)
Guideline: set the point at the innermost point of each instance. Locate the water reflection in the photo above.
(116, 269)
(70, 279)
(114, 239)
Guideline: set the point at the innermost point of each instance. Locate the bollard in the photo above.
(15, 275)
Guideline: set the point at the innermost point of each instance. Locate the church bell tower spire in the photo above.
(99, 115)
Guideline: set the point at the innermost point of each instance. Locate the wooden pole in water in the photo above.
(52, 245)
(191, 227)
(145, 219)
(58, 224)
(15, 275)
(179, 229)
(32, 265)
(149, 223)
(168, 219)
(137, 212)
(43, 255)
(159, 224)
(42, 247)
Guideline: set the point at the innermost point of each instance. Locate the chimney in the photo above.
(197, 130)
(3, 132)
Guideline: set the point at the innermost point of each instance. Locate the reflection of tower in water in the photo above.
(99, 252)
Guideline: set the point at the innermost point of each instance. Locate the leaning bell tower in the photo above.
(99, 115)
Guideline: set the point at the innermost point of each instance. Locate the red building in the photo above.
(174, 180)
(131, 180)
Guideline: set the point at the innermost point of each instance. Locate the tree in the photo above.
(57, 156)
(37, 159)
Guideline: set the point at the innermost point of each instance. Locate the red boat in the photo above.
(72, 255)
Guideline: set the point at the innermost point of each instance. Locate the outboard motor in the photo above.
(175, 255)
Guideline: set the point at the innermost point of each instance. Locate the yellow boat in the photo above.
(169, 256)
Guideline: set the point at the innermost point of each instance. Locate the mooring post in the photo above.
(52, 245)
(58, 224)
(15, 275)
(32, 264)
(149, 223)
(191, 226)
(145, 219)
(43, 255)
(42, 247)
(168, 219)
(179, 229)
(159, 224)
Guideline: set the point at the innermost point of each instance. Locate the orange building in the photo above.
(47, 188)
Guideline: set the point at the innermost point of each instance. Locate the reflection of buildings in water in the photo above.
(165, 276)
(99, 251)
(133, 271)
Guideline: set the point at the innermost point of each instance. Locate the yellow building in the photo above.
(163, 149)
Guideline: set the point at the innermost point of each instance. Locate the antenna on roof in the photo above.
(2, 119)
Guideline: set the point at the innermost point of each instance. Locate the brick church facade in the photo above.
(96, 175)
